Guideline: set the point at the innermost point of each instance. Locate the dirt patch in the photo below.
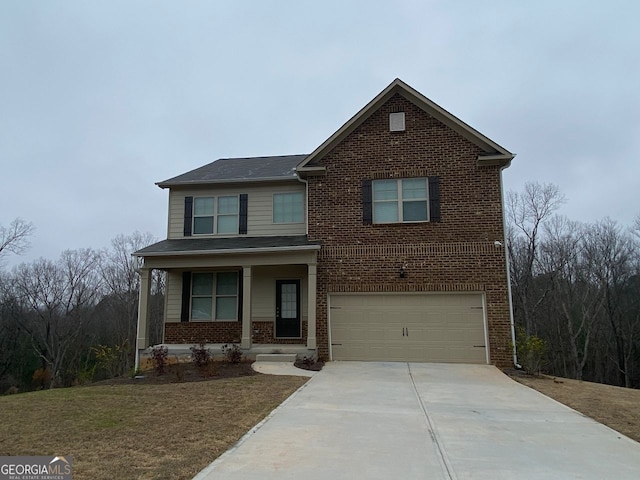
(616, 407)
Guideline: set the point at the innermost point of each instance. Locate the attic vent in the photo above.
(396, 122)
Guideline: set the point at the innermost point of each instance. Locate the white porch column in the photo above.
(143, 312)
(246, 307)
(311, 307)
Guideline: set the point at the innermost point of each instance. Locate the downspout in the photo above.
(306, 201)
(506, 257)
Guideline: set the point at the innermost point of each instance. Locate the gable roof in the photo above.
(229, 170)
(495, 154)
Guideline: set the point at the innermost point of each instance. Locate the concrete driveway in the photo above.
(425, 421)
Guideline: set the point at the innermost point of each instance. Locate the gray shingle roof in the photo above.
(224, 245)
(226, 170)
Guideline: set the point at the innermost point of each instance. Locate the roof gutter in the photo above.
(503, 160)
(223, 181)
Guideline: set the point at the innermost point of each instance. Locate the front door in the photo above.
(288, 309)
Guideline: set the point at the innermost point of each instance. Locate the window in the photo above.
(402, 200)
(214, 296)
(209, 218)
(288, 207)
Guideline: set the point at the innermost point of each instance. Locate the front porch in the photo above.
(263, 299)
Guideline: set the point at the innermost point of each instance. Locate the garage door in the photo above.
(408, 328)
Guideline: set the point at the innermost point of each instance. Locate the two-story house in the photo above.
(385, 243)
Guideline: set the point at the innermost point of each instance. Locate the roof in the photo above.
(494, 153)
(209, 246)
(229, 170)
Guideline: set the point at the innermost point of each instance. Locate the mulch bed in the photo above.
(186, 372)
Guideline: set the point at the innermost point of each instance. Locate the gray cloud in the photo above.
(101, 100)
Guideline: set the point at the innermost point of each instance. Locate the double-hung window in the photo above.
(400, 200)
(214, 296)
(215, 215)
(288, 207)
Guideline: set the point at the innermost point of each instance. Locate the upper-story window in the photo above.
(400, 200)
(215, 215)
(288, 207)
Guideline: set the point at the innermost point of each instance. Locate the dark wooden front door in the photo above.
(288, 323)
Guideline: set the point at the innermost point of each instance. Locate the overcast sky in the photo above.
(100, 100)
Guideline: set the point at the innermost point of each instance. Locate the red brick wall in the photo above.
(263, 332)
(456, 254)
(202, 332)
(225, 332)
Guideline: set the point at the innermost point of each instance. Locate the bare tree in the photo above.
(120, 272)
(57, 299)
(611, 252)
(15, 237)
(574, 295)
(526, 214)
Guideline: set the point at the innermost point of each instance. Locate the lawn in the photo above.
(617, 407)
(140, 431)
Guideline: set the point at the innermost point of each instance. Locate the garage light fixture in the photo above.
(403, 271)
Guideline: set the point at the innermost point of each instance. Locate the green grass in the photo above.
(128, 431)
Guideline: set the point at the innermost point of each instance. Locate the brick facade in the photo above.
(225, 332)
(457, 254)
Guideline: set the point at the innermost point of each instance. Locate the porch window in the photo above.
(214, 296)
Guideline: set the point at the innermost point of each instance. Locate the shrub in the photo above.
(232, 353)
(531, 351)
(201, 356)
(13, 390)
(42, 378)
(159, 358)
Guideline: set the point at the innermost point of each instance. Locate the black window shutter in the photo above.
(434, 199)
(367, 207)
(186, 296)
(240, 286)
(242, 220)
(188, 215)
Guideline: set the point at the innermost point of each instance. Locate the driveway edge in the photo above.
(205, 473)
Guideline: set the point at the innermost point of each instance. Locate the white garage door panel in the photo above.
(417, 328)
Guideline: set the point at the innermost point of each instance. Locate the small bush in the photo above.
(201, 356)
(42, 378)
(232, 353)
(13, 390)
(531, 351)
(159, 358)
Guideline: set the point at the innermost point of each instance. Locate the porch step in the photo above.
(276, 357)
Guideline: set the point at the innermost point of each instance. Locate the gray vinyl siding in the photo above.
(174, 296)
(260, 208)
